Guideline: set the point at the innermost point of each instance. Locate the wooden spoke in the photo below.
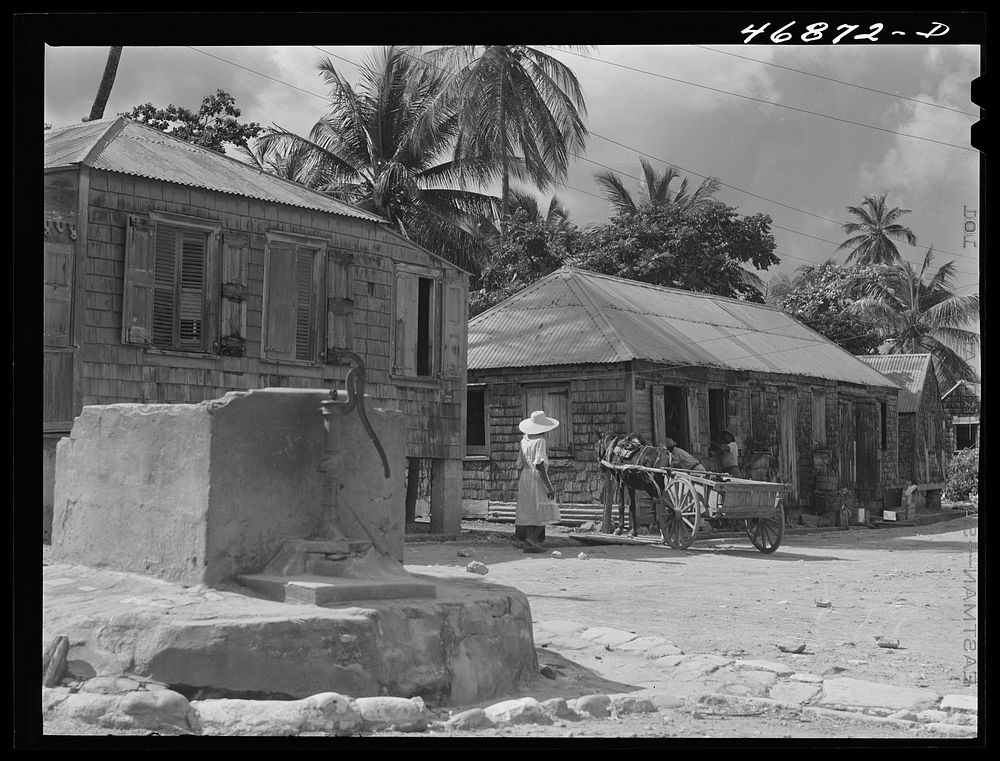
(686, 507)
(766, 532)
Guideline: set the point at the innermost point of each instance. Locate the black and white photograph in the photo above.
(402, 389)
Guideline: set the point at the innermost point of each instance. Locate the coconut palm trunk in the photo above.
(107, 82)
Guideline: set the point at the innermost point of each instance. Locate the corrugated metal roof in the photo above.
(908, 371)
(578, 317)
(121, 145)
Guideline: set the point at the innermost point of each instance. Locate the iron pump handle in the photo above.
(355, 396)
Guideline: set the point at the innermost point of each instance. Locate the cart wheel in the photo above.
(686, 513)
(767, 532)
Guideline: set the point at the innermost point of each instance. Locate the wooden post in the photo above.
(412, 486)
(446, 497)
(608, 502)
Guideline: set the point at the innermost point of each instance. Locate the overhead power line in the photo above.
(610, 140)
(839, 81)
(772, 103)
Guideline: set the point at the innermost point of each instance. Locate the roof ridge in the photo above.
(654, 286)
(623, 350)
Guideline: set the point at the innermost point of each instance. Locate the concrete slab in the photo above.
(794, 692)
(960, 703)
(335, 590)
(858, 693)
(469, 644)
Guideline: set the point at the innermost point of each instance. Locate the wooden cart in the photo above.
(694, 497)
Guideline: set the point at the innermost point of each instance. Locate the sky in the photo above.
(768, 121)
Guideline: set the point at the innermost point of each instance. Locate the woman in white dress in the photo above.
(536, 506)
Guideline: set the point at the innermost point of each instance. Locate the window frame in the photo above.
(434, 320)
(212, 230)
(317, 317)
(476, 451)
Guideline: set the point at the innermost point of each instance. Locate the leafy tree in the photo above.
(213, 126)
(819, 296)
(917, 311)
(519, 109)
(386, 147)
(873, 233)
(655, 190)
(536, 243)
(703, 248)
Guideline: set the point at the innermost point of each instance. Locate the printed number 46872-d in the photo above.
(814, 32)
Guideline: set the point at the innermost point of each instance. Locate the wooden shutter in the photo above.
(233, 309)
(165, 287)
(819, 418)
(454, 329)
(305, 332)
(191, 289)
(339, 302)
(58, 283)
(694, 421)
(280, 313)
(659, 415)
(137, 303)
(405, 329)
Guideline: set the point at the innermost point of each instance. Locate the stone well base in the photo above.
(471, 643)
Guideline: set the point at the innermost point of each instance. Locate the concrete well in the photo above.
(200, 493)
(165, 514)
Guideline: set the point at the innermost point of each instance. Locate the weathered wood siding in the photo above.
(366, 253)
(597, 396)
(62, 233)
(630, 397)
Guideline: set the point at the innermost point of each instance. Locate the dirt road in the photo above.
(834, 592)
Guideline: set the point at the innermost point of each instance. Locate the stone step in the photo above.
(335, 590)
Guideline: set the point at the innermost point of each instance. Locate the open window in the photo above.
(477, 425)
(416, 329)
(171, 293)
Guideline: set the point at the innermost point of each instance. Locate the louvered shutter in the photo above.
(165, 287)
(191, 289)
(305, 331)
(454, 328)
(137, 303)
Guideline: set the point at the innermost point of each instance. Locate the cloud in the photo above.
(912, 167)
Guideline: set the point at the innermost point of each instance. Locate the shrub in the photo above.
(963, 475)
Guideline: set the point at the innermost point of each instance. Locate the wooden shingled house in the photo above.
(177, 274)
(604, 354)
(963, 402)
(924, 436)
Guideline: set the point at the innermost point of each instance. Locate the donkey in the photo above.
(630, 449)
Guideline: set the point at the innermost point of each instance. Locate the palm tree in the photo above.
(873, 234)
(520, 110)
(655, 190)
(386, 147)
(918, 312)
(107, 82)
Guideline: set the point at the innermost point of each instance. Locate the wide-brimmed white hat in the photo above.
(538, 423)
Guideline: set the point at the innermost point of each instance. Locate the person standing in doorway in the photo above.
(730, 460)
(536, 506)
